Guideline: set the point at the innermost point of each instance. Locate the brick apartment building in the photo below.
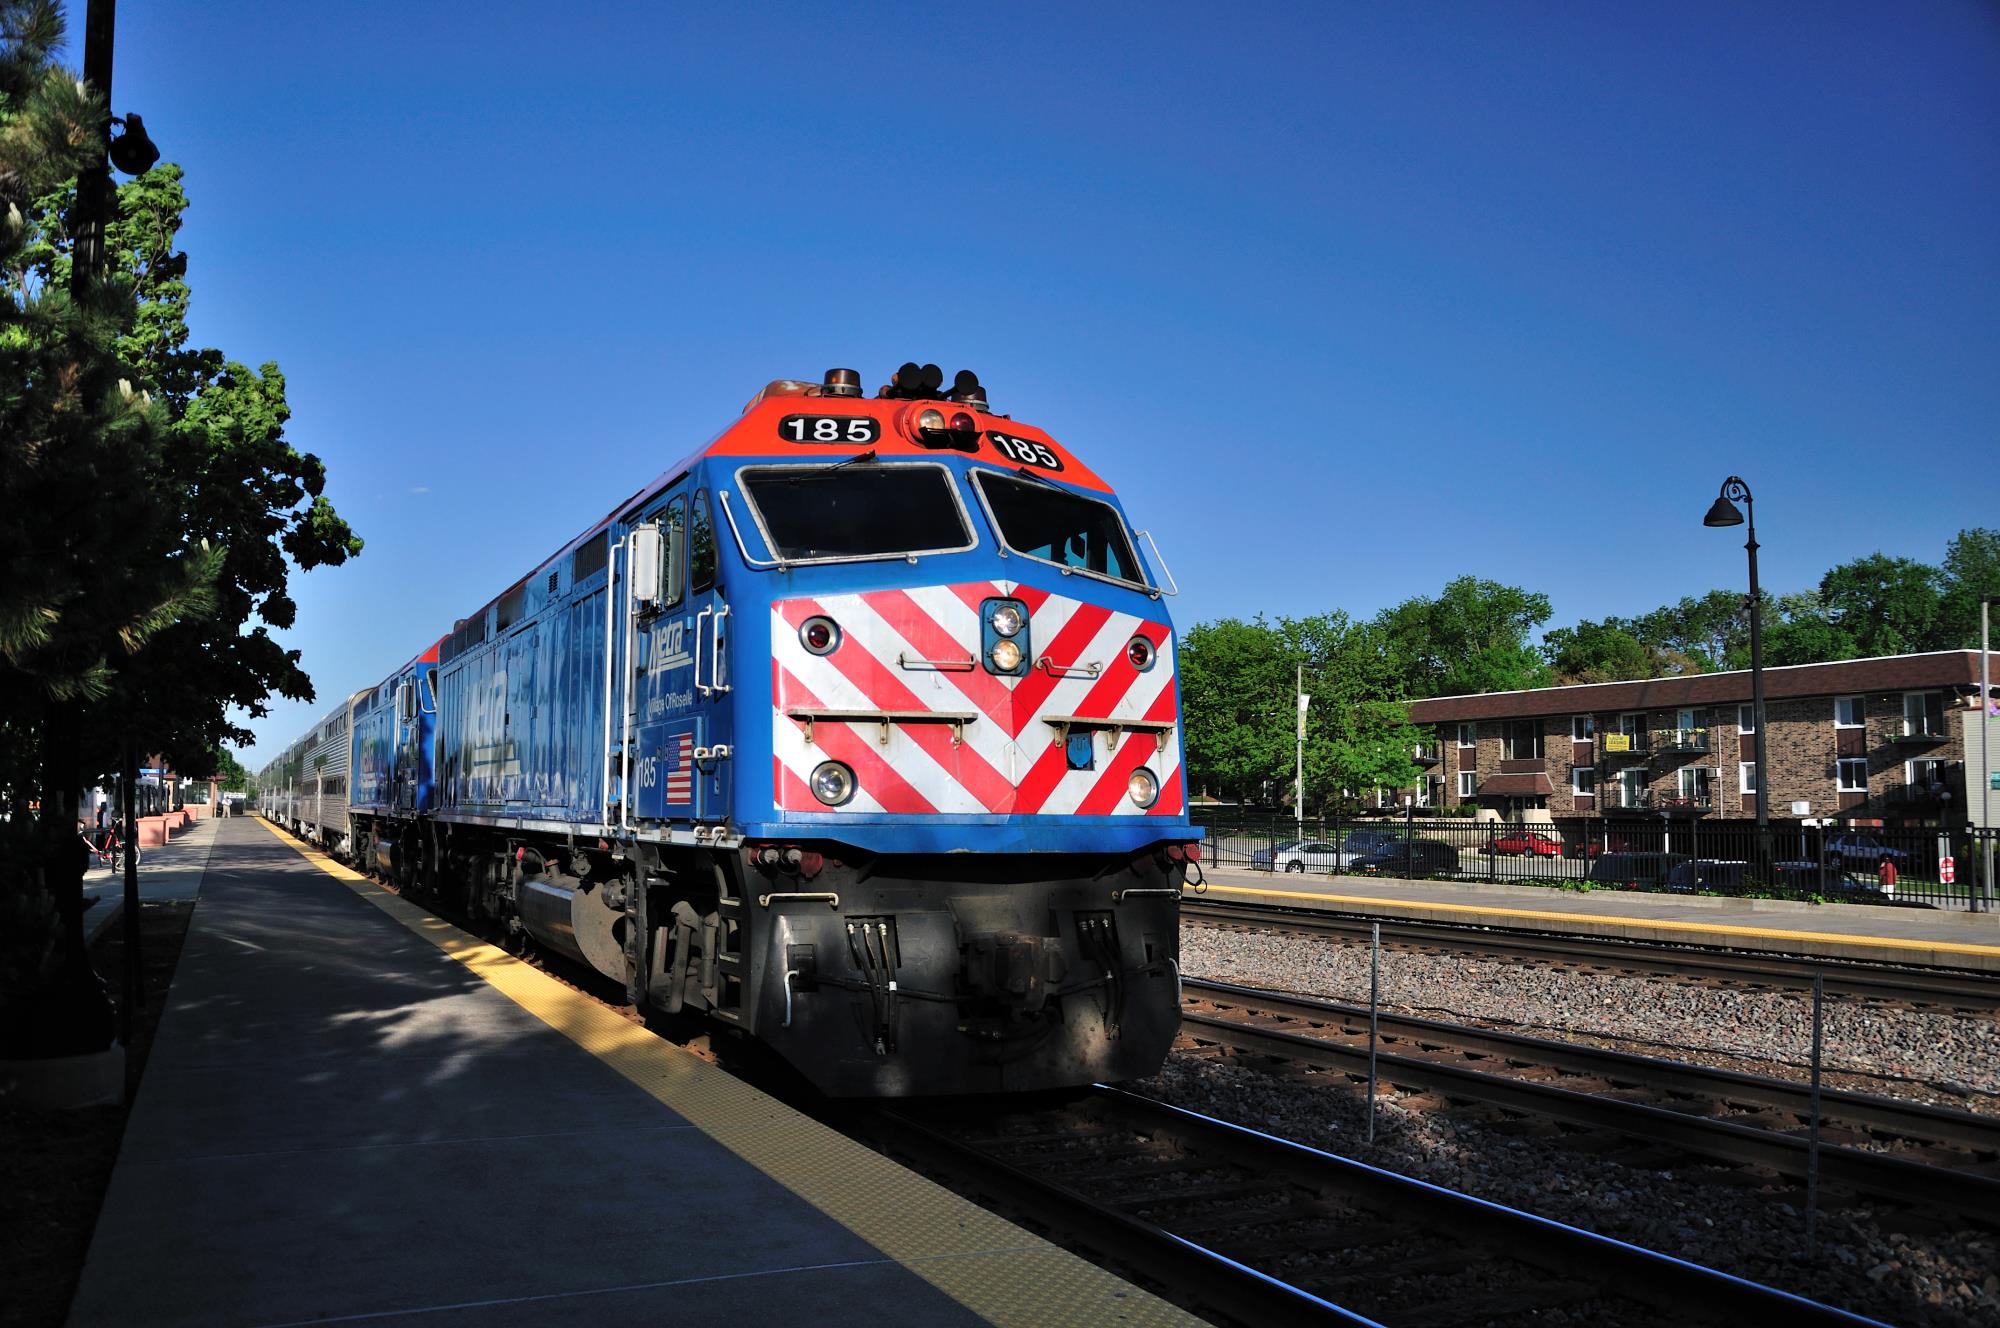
(1870, 741)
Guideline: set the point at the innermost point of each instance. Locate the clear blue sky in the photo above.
(1346, 300)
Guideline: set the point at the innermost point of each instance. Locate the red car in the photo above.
(1524, 842)
(1596, 844)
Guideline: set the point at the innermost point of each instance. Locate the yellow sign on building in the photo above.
(1617, 742)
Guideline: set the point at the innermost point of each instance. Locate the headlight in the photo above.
(819, 635)
(1143, 787)
(1007, 620)
(832, 783)
(1006, 656)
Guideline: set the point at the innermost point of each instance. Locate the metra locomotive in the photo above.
(936, 848)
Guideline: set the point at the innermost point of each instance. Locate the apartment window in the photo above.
(1423, 794)
(1925, 774)
(1468, 735)
(1923, 713)
(1694, 780)
(1852, 773)
(1521, 740)
(1582, 728)
(1468, 784)
(1632, 788)
(1849, 712)
(1633, 724)
(1583, 781)
(1746, 719)
(1746, 776)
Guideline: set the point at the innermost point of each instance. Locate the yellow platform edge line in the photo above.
(1602, 919)
(993, 1268)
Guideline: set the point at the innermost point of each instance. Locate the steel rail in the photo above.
(1193, 1270)
(1612, 1267)
(1955, 988)
(1911, 1120)
(1874, 1173)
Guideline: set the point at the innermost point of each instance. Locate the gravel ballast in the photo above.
(1889, 1264)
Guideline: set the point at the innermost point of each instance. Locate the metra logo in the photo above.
(665, 646)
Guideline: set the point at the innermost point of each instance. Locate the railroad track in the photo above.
(1909, 1152)
(1968, 992)
(1257, 1230)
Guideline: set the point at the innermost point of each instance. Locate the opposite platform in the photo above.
(1870, 932)
(354, 1111)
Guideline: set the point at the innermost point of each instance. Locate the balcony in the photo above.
(1615, 745)
(1424, 754)
(1681, 740)
(1917, 797)
(1685, 804)
(1920, 738)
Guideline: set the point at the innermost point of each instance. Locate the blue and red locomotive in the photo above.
(936, 848)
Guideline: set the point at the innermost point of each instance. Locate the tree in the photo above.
(1472, 638)
(1600, 652)
(150, 489)
(1710, 631)
(1236, 684)
(1971, 571)
(1884, 605)
(1238, 681)
(234, 775)
(105, 569)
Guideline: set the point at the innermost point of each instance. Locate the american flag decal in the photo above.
(677, 761)
(997, 745)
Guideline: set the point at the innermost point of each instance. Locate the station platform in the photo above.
(356, 1112)
(1865, 932)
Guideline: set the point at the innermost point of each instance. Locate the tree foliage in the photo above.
(1239, 681)
(1474, 637)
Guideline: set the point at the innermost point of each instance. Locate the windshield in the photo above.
(1057, 526)
(856, 510)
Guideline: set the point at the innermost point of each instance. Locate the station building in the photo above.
(1866, 741)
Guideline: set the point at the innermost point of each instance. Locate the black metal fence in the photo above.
(1927, 867)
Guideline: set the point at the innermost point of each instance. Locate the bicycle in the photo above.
(106, 848)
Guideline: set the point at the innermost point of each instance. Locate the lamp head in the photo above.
(1723, 513)
(132, 151)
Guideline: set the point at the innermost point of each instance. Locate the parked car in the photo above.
(1366, 843)
(1865, 851)
(1523, 843)
(1708, 874)
(1296, 855)
(1592, 845)
(1828, 880)
(1413, 857)
(1634, 869)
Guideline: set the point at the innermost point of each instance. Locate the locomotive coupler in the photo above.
(1018, 973)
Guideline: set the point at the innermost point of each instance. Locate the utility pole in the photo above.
(1299, 787)
(1985, 898)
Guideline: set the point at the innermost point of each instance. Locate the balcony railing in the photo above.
(1625, 744)
(1920, 738)
(1682, 740)
(1424, 754)
(1916, 795)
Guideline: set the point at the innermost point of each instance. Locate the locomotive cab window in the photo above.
(849, 510)
(702, 544)
(1053, 525)
(672, 521)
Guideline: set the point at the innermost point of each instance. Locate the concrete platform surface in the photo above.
(1886, 933)
(356, 1112)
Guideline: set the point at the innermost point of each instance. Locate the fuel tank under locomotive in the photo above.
(903, 977)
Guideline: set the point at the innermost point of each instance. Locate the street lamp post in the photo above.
(1724, 513)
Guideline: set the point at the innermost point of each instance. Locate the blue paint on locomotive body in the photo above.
(511, 725)
(393, 741)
